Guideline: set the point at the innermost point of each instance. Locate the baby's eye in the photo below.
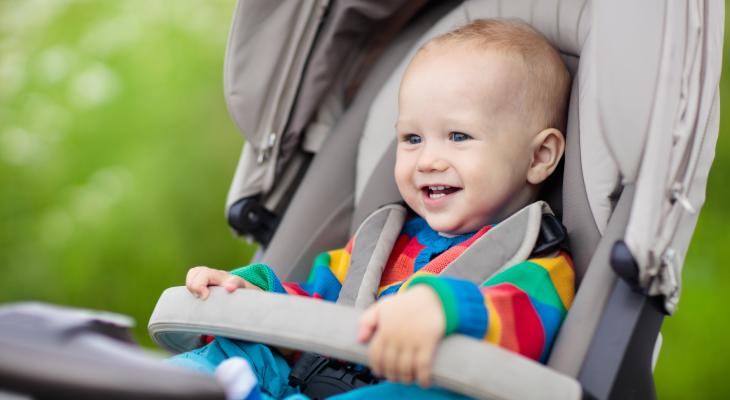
(459, 136)
(411, 138)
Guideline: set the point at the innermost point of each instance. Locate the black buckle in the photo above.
(553, 236)
(307, 366)
(320, 377)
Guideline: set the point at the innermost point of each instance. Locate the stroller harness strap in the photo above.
(533, 229)
(374, 240)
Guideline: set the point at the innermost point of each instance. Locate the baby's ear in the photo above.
(547, 148)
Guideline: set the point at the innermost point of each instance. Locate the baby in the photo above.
(481, 110)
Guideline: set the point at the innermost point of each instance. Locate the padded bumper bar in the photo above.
(461, 364)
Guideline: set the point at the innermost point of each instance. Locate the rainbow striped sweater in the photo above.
(520, 308)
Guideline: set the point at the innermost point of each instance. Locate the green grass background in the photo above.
(116, 151)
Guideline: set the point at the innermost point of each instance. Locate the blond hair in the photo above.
(548, 80)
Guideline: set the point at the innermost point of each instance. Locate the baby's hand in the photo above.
(199, 278)
(405, 330)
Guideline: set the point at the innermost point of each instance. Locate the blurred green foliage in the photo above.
(116, 151)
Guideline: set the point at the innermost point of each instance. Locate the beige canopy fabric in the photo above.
(276, 75)
(663, 136)
(267, 52)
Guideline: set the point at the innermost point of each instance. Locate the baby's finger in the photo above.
(390, 362)
(422, 361)
(203, 292)
(375, 355)
(192, 273)
(367, 325)
(194, 281)
(405, 365)
(199, 284)
(207, 277)
(233, 282)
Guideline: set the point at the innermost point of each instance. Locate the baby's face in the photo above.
(463, 148)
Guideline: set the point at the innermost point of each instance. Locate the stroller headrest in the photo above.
(567, 29)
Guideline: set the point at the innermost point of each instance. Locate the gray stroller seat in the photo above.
(642, 127)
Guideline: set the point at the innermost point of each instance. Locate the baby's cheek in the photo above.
(408, 191)
(402, 180)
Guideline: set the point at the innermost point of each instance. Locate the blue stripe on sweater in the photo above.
(551, 319)
(325, 285)
(473, 319)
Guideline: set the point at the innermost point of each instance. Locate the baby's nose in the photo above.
(432, 161)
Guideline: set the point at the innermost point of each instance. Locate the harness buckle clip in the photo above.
(552, 236)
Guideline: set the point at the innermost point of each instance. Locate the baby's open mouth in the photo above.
(438, 191)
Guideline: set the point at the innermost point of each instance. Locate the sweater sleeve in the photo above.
(521, 308)
(325, 278)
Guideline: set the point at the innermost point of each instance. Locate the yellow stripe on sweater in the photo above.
(562, 276)
(494, 331)
(339, 263)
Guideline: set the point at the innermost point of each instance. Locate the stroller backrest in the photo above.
(366, 156)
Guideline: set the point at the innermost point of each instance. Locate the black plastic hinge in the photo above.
(624, 264)
(248, 217)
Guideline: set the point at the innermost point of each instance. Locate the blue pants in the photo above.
(272, 373)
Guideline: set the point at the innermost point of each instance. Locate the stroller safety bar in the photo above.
(461, 364)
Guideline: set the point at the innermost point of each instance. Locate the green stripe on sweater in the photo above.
(257, 274)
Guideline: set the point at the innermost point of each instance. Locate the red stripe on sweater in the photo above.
(294, 288)
(525, 332)
(477, 235)
(400, 263)
(503, 306)
(348, 246)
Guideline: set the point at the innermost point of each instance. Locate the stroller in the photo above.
(313, 86)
